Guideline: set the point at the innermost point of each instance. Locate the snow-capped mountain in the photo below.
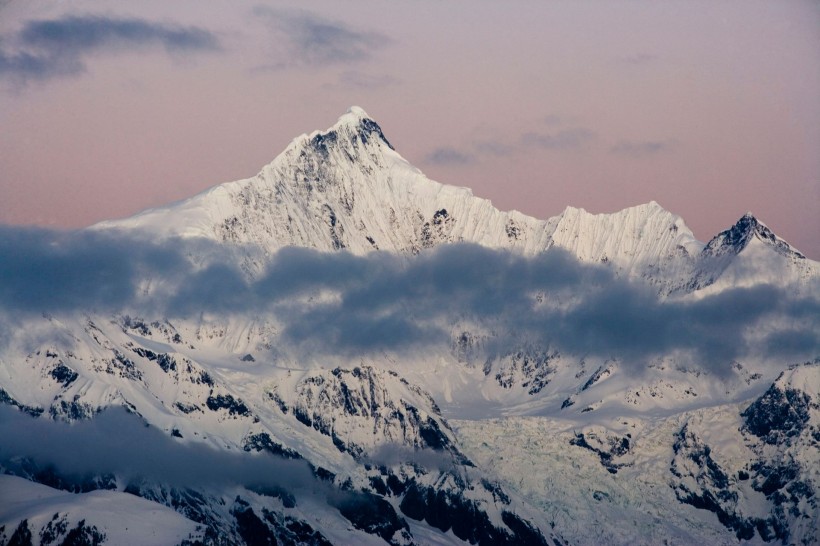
(394, 398)
(347, 188)
(750, 253)
(343, 188)
(644, 241)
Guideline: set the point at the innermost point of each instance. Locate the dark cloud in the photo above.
(119, 443)
(642, 149)
(415, 305)
(626, 321)
(81, 34)
(315, 40)
(566, 139)
(59, 47)
(448, 156)
(342, 304)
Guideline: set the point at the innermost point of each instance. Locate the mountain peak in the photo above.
(747, 223)
(355, 123)
(743, 232)
(356, 112)
(352, 118)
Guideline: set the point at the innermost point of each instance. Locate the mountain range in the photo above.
(340, 350)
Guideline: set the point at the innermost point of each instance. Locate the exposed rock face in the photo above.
(780, 415)
(364, 408)
(781, 432)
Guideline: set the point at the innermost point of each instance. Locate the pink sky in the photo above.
(711, 109)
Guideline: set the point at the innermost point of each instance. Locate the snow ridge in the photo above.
(346, 188)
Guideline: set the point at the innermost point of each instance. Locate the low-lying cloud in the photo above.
(353, 306)
(122, 444)
(51, 271)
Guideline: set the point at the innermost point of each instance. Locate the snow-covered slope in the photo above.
(45, 516)
(644, 241)
(256, 437)
(347, 188)
(343, 188)
(318, 456)
(749, 253)
(721, 475)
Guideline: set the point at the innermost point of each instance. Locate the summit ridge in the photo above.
(347, 188)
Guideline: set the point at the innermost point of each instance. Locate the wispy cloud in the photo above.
(362, 80)
(315, 40)
(91, 33)
(496, 148)
(643, 148)
(559, 139)
(45, 49)
(572, 138)
(23, 66)
(448, 156)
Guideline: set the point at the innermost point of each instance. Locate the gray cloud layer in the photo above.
(58, 47)
(42, 270)
(388, 302)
